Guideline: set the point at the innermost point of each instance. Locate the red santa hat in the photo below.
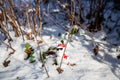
(62, 45)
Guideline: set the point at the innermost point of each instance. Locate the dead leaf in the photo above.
(73, 64)
(39, 41)
(27, 37)
(29, 51)
(96, 49)
(5, 64)
(59, 70)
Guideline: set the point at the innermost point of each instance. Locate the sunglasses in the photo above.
(59, 49)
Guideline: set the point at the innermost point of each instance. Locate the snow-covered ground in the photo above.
(104, 66)
(88, 66)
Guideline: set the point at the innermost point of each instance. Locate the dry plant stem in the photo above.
(33, 28)
(9, 55)
(4, 29)
(80, 10)
(72, 11)
(39, 29)
(5, 19)
(7, 45)
(34, 24)
(27, 16)
(18, 24)
(35, 20)
(38, 9)
(38, 12)
(12, 19)
(22, 33)
(31, 24)
(69, 36)
(43, 62)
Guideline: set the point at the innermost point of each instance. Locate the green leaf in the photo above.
(62, 41)
(55, 61)
(74, 31)
(32, 61)
(44, 56)
(27, 45)
(32, 57)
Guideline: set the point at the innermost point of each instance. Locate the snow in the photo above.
(104, 66)
(88, 66)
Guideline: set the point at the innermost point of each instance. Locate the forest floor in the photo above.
(104, 66)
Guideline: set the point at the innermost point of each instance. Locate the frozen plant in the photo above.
(30, 52)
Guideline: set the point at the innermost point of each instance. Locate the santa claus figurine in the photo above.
(60, 53)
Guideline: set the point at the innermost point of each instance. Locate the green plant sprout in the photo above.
(30, 52)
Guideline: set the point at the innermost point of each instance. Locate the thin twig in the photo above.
(7, 45)
(69, 36)
(43, 62)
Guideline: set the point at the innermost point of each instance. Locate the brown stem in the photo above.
(38, 12)
(4, 29)
(69, 36)
(7, 45)
(43, 62)
(13, 19)
(27, 16)
(18, 24)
